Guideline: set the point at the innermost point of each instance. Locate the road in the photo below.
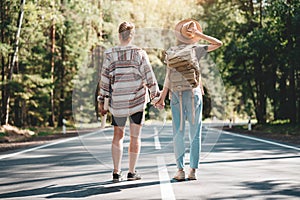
(232, 166)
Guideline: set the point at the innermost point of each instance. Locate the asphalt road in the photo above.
(232, 167)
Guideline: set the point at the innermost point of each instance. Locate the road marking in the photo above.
(44, 146)
(36, 148)
(262, 140)
(166, 188)
(156, 139)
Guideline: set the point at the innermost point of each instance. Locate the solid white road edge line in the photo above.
(36, 148)
(262, 140)
(45, 145)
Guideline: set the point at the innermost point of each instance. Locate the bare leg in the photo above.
(117, 147)
(134, 146)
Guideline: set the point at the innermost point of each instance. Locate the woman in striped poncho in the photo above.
(126, 78)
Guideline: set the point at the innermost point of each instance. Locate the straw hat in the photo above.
(182, 31)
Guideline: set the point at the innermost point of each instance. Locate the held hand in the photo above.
(155, 98)
(160, 104)
(103, 112)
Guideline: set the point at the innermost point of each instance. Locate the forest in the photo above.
(51, 54)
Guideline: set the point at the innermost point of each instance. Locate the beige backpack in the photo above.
(184, 68)
(184, 74)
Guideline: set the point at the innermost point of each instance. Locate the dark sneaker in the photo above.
(133, 176)
(117, 177)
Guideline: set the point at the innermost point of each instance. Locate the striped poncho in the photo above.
(126, 77)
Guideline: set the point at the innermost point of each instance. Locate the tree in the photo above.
(12, 65)
(255, 59)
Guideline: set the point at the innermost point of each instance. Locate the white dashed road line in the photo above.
(156, 139)
(166, 189)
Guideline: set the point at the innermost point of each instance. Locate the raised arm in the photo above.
(214, 43)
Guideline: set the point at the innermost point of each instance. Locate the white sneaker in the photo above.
(179, 176)
(192, 175)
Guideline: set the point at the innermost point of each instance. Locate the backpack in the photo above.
(184, 68)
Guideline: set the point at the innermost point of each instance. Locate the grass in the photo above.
(43, 133)
(274, 127)
(286, 129)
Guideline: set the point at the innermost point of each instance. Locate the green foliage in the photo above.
(258, 58)
(258, 64)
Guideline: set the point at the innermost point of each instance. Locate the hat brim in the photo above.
(183, 39)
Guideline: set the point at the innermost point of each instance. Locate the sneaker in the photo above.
(192, 175)
(117, 177)
(179, 176)
(133, 176)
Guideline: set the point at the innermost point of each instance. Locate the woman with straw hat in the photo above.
(187, 103)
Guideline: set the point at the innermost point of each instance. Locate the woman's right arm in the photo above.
(161, 102)
(148, 75)
(214, 43)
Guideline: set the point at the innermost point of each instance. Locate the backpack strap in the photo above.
(181, 115)
(193, 107)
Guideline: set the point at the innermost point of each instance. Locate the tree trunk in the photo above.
(261, 103)
(283, 103)
(260, 13)
(61, 70)
(13, 62)
(52, 64)
(292, 108)
(62, 77)
(259, 100)
(17, 112)
(2, 65)
(292, 97)
(298, 95)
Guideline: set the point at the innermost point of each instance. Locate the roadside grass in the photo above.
(45, 131)
(42, 131)
(285, 129)
(276, 127)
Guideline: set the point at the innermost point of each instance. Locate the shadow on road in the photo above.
(78, 190)
(264, 189)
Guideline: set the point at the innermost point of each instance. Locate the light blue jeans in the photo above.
(195, 128)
